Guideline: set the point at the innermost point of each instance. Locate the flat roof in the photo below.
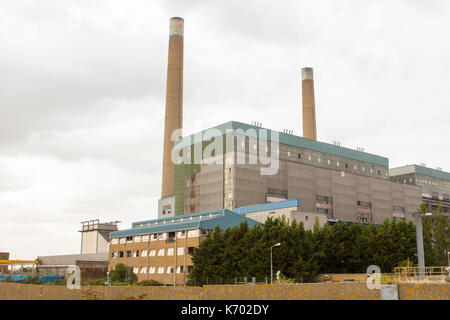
(291, 140)
(268, 206)
(414, 168)
(205, 220)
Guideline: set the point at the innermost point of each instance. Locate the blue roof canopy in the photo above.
(205, 220)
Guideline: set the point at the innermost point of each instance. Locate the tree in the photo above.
(340, 248)
(427, 237)
(122, 273)
(441, 235)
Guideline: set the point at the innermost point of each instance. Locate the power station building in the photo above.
(343, 183)
(216, 168)
(434, 184)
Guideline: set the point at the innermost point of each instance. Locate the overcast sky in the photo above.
(82, 90)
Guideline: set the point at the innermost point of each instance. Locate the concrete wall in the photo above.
(313, 291)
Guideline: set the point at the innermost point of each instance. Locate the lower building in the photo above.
(288, 209)
(92, 266)
(434, 184)
(3, 266)
(161, 249)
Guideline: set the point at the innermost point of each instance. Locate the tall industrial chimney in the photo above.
(174, 102)
(309, 108)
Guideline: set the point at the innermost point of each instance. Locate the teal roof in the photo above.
(291, 140)
(205, 220)
(414, 168)
(268, 206)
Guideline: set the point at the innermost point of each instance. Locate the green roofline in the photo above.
(222, 217)
(414, 168)
(291, 140)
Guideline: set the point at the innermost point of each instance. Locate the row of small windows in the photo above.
(151, 253)
(419, 181)
(338, 164)
(168, 236)
(160, 269)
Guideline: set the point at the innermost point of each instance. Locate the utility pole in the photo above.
(419, 240)
(271, 264)
(419, 237)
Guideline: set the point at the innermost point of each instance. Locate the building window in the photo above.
(136, 254)
(319, 160)
(169, 270)
(337, 163)
(346, 165)
(160, 269)
(329, 161)
(180, 251)
(398, 209)
(160, 252)
(136, 270)
(130, 238)
(379, 172)
(170, 251)
(152, 253)
(354, 167)
(128, 253)
(166, 209)
(289, 153)
(306, 218)
(299, 156)
(364, 217)
(144, 253)
(121, 254)
(189, 269)
(152, 270)
(363, 169)
(364, 204)
(143, 270)
(190, 250)
(180, 269)
(309, 158)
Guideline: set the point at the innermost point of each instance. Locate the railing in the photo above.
(428, 271)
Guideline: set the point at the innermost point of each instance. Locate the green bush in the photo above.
(97, 282)
(149, 283)
(122, 273)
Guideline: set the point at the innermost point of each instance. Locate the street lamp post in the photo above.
(419, 241)
(419, 237)
(271, 263)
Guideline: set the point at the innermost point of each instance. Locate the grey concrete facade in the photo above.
(434, 184)
(342, 188)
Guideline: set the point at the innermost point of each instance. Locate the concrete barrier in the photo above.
(304, 291)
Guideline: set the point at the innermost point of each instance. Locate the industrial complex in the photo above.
(236, 172)
(217, 177)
